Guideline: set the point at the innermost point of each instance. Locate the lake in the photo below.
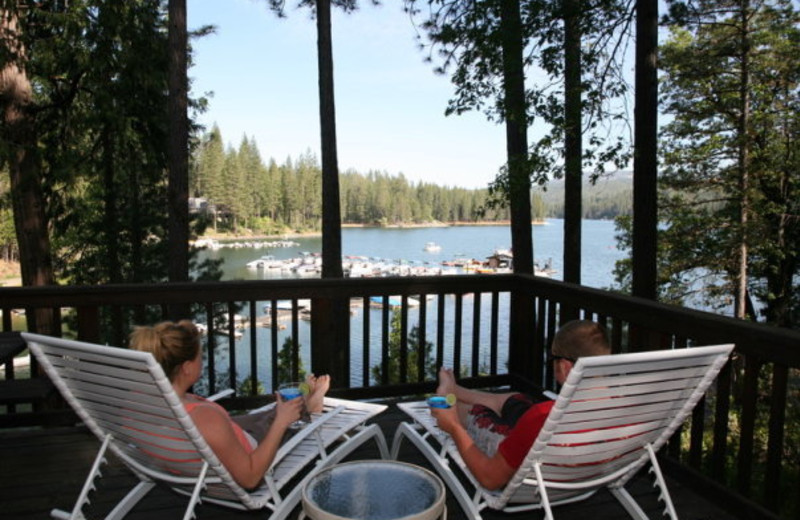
(599, 248)
(479, 242)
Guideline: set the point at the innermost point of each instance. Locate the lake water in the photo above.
(599, 248)
(479, 242)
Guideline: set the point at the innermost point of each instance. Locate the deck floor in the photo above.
(45, 469)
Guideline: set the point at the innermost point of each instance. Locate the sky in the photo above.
(262, 71)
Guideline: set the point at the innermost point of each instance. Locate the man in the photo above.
(494, 432)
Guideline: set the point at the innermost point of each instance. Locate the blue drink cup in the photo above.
(438, 401)
(289, 391)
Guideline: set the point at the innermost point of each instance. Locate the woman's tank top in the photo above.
(241, 436)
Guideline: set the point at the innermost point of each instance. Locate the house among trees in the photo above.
(199, 205)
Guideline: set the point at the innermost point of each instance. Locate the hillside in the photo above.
(609, 197)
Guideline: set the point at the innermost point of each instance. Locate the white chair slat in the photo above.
(125, 396)
(609, 410)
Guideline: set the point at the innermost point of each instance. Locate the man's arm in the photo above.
(491, 472)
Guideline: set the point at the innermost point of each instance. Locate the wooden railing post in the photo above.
(330, 339)
(522, 324)
(88, 320)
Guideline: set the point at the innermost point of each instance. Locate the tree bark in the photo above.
(740, 303)
(573, 142)
(110, 214)
(19, 146)
(645, 173)
(178, 144)
(330, 342)
(522, 312)
(516, 136)
(331, 217)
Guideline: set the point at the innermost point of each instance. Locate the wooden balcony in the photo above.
(735, 452)
(46, 469)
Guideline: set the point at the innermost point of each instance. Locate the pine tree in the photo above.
(730, 179)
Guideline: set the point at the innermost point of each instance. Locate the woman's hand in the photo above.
(287, 412)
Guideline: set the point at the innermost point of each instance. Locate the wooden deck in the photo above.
(44, 469)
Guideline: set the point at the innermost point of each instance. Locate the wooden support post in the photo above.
(330, 339)
(521, 336)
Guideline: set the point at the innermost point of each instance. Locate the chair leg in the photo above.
(669, 508)
(630, 504)
(123, 506)
(442, 467)
(548, 512)
(380, 440)
(131, 499)
(396, 441)
(290, 501)
(198, 487)
(88, 485)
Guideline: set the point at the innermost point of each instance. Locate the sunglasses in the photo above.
(553, 357)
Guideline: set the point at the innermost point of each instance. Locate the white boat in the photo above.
(432, 247)
(394, 302)
(286, 305)
(265, 262)
(308, 270)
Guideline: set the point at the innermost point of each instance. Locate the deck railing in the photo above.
(492, 329)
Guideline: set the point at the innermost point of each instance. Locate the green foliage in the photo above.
(705, 186)
(8, 238)
(415, 348)
(246, 387)
(607, 198)
(466, 39)
(244, 193)
(731, 176)
(730, 150)
(99, 74)
(290, 363)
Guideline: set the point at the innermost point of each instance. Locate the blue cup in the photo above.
(438, 401)
(290, 393)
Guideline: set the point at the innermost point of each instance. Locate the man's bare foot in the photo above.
(447, 382)
(318, 386)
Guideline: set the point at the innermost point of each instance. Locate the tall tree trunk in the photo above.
(19, 147)
(522, 313)
(573, 142)
(516, 136)
(110, 215)
(645, 173)
(740, 303)
(330, 344)
(331, 218)
(178, 144)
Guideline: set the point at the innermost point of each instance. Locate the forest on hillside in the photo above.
(248, 194)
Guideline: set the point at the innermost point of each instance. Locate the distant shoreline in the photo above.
(409, 225)
(441, 224)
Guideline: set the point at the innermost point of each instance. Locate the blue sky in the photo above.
(390, 105)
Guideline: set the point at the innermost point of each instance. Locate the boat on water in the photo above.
(393, 302)
(309, 265)
(286, 305)
(265, 262)
(432, 247)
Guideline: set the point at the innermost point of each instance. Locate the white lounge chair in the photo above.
(126, 400)
(611, 417)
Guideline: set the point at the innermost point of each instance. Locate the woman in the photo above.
(246, 445)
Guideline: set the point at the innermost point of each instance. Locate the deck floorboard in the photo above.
(45, 469)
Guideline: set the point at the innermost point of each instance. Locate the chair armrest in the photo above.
(219, 395)
(313, 427)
